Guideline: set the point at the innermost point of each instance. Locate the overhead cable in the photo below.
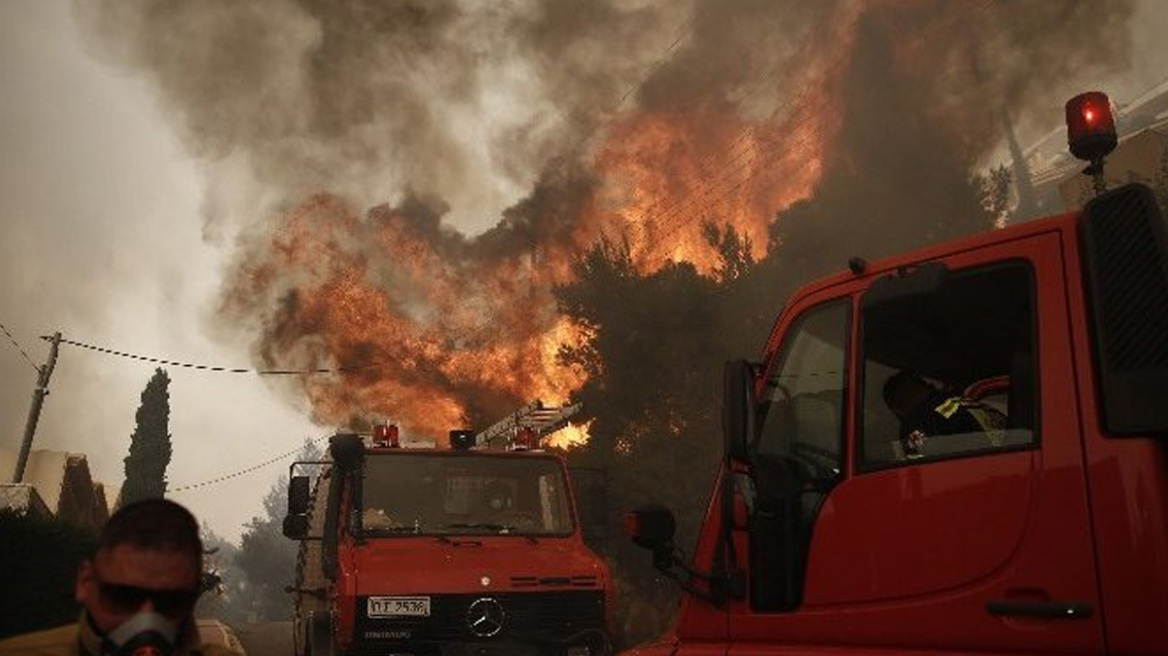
(19, 348)
(242, 472)
(214, 368)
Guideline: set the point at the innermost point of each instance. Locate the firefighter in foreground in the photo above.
(137, 591)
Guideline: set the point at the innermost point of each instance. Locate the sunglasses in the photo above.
(129, 598)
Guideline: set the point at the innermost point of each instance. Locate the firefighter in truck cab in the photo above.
(925, 411)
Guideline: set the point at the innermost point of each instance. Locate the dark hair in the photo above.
(156, 524)
(897, 383)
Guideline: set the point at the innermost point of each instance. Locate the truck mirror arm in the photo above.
(721, 585)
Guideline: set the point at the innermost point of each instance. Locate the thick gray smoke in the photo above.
(484, 114)
(468, 101)
(463, 100)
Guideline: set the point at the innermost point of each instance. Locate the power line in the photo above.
(20, 348)
(214, 368)
(241, 472)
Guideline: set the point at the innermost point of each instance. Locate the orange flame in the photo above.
(432, 332)
(668, 174)
(417, 333)
(570, 436)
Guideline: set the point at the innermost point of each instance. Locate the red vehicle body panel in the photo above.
(1129, 491)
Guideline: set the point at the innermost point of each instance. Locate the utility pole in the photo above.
(38, 399)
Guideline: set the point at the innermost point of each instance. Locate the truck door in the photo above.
(958, 517)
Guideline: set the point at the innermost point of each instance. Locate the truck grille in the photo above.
(528, 617)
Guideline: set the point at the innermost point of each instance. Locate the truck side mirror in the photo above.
(738, 406)
(653, 527)
(295, 526)
(298, 492)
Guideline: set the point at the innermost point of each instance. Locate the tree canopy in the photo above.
(150, 448)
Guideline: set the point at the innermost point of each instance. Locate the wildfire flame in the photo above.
(668, 174)
(434, 329)
(570, 436)
(416, 331)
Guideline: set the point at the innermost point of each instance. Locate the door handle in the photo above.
(1054, 610)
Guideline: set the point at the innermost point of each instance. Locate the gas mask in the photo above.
(144, 634)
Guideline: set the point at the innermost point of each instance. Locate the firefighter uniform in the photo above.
(80, 640)
(948, 414)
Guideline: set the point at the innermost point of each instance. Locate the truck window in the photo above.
(416, 494)
(796, 459)
(951, 374)
(802, 414)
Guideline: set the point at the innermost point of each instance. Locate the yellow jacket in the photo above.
(66, 641)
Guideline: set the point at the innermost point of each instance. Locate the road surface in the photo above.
(266, 638)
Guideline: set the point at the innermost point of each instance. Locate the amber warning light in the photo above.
(1090, 126)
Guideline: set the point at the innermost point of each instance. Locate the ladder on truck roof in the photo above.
(535, 416)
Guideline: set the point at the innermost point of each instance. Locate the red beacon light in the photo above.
(387, 435)
(1091, 128)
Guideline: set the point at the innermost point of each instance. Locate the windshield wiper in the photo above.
(392, 529)
(498, 528)
(502, 529)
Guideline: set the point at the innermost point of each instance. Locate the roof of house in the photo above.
(45, 470)
(22, 498)
(63, 482)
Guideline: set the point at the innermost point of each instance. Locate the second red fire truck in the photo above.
(453, 551)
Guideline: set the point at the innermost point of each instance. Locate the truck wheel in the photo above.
(319, 641)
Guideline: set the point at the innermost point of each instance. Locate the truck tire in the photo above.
(309, 571)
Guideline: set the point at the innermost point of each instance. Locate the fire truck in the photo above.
(472, 549)
(962, 450)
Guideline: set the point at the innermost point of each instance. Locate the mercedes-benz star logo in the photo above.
(485, 617)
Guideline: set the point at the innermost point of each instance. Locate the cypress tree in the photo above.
(150, 444)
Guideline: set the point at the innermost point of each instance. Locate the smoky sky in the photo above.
(479, 119)
(367, 99)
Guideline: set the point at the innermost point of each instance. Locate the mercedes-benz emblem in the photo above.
(485, 617)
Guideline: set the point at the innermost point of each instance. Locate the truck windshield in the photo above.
(408, 494)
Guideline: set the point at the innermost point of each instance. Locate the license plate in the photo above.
(398, 607)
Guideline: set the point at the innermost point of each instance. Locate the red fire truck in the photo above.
(466, 550)
(959, 450)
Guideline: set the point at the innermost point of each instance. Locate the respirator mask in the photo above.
(144, 634)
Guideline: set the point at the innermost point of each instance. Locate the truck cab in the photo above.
(444, 551)
(1018, 504)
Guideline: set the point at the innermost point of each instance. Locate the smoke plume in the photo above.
(496, 141)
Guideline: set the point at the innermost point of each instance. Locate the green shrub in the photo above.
(39, 558)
